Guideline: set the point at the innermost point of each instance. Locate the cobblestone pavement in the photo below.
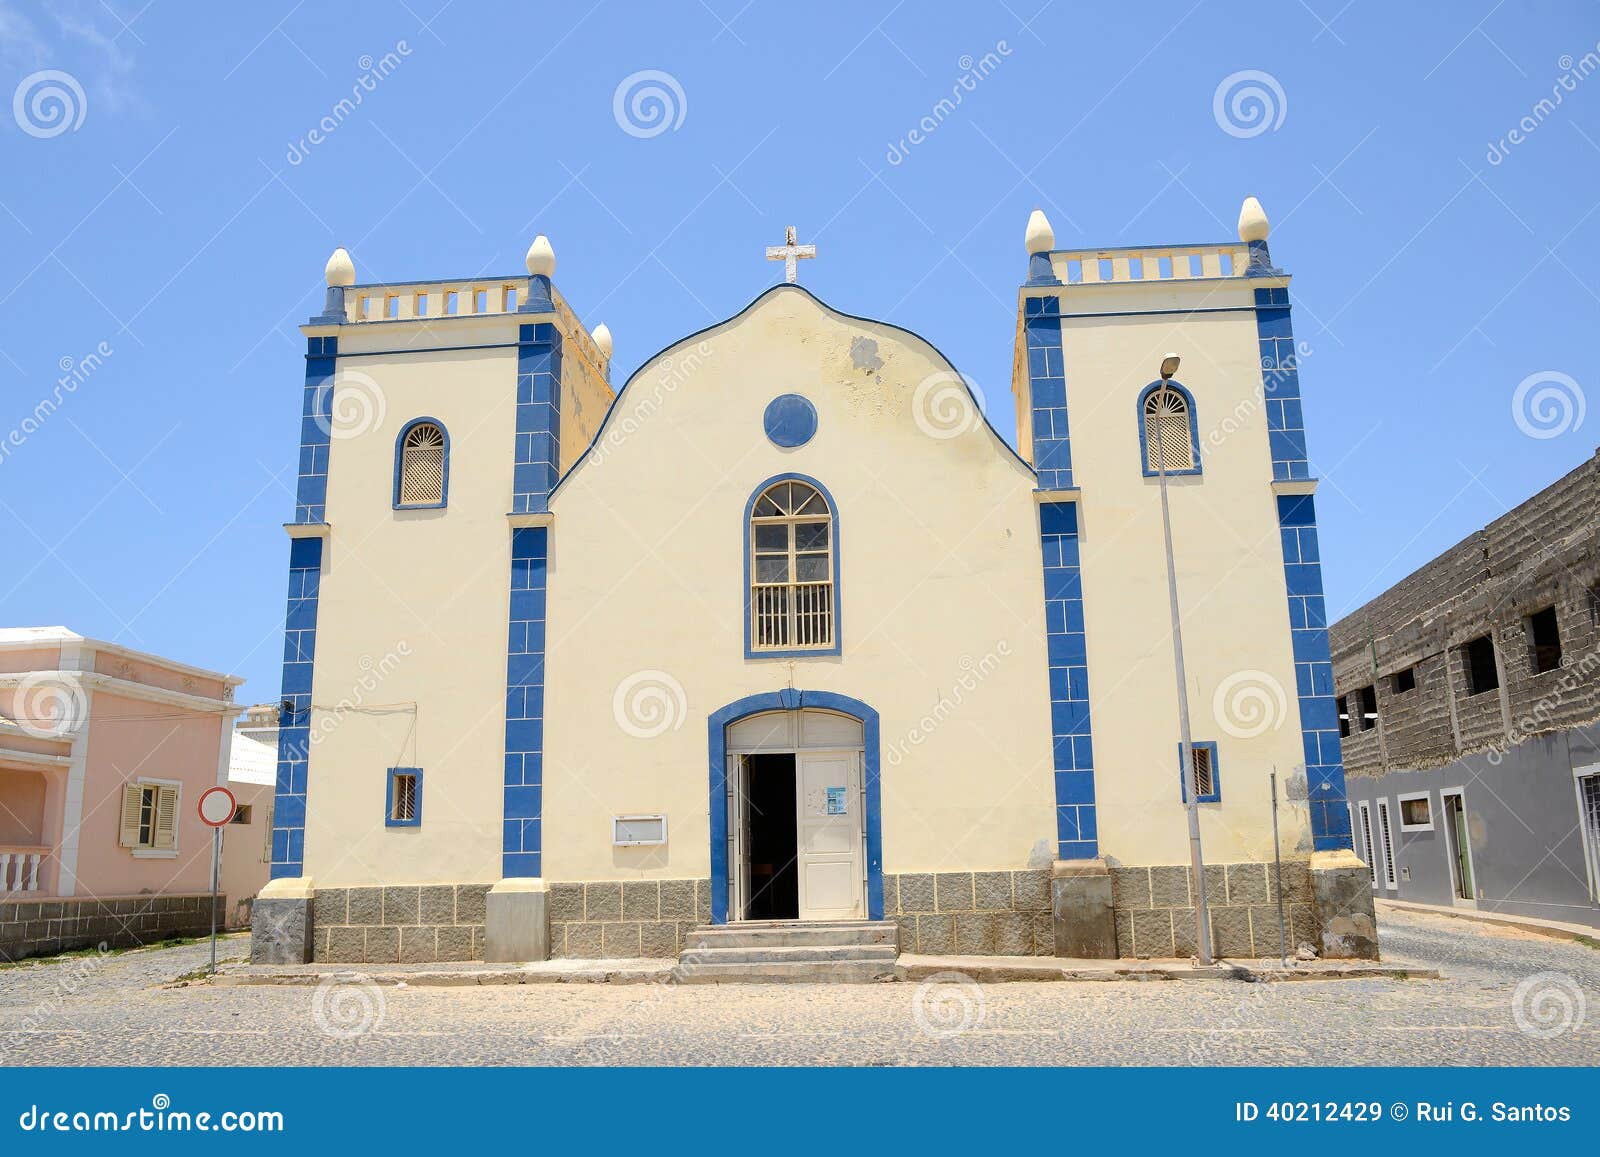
(122, 1010)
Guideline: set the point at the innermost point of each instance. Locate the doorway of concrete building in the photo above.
(1459, 845)
(795, 817)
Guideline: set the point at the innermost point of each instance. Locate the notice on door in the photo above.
(838, 804)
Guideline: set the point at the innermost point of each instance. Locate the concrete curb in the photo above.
(1554, 929)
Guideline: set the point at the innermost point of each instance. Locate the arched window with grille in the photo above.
(792, 569)
(421, 465)
(1169, 430)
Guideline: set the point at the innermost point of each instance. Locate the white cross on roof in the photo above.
(788, 253)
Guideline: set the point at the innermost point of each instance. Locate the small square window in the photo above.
(1416, 813)
(1544, 636)
(404, 802)
(1404, 681)
(1204, 777)
(1482, 675)
(241, 814)
(1343, 704)
(1367, 703)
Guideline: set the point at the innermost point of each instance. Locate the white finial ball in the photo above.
(1040, 238)
(541, 258)
(340, 270)
(602, 340)
(1253, 225)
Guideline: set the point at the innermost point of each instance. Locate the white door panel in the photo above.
(828, 799)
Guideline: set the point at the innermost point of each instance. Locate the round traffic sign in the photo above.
(217, 806)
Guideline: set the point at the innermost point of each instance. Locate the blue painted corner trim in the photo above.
(1144, 433)
(790, 420)
(1047, 393)
(538, 448)
(1040, 271)
(793, 700)
(1280, 376)
(1215, 794)
(1313, 673)
(1071, 736)
(300, 614)
(522, 838)
(838, 593)
(399, 445)
(388, 799)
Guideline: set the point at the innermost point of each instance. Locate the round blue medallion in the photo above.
(790, 420)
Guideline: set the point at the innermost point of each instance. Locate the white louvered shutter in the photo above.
(166, 825)
(422, 466)
(132, 802)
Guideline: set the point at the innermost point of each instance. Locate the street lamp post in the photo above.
(1202, 919)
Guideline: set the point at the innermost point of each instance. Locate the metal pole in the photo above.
(1277, 867)
(216, 861)
(1202, 920)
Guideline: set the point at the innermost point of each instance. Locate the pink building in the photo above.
(104, 752)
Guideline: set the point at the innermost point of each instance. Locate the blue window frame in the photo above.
(1204, 756)
(422, 465)
(1171, 415)
(402, 807)
(790, 542)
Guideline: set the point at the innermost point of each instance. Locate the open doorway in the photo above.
(1458, 842)
(774, 888)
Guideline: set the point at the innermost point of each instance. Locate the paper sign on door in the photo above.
(837, 805)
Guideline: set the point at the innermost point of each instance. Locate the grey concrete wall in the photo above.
(1522, 820)
(972, 913)
(45, 927)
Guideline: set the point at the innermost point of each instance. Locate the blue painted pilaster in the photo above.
(1072, 745)
(1047, 393)
(538, 416)
(300, 618)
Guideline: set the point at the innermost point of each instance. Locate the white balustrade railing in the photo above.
(1153, 263)
(19, 869)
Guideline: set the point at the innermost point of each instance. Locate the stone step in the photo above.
(789, 972)
(792, 934)
(786, 953)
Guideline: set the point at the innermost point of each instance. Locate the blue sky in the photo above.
(179, 218)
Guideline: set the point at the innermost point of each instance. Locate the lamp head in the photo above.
(1169, 366)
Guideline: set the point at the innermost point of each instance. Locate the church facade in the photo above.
(780, 629)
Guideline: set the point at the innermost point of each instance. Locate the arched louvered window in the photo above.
(1168, 430)
(422, 465)
(793, 570)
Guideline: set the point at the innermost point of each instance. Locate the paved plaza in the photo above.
(1507, 998)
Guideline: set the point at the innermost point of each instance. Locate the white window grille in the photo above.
(1386, 834)
(1366, 842)
(1589, 805)
(791, 569)
(404, 804)
(422, 466)
(1204, 781)
(1168, 445)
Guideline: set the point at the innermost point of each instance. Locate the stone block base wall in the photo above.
(404, 925)
(1155, 910)
(630, 918)
(45, 927)
(972, 913)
